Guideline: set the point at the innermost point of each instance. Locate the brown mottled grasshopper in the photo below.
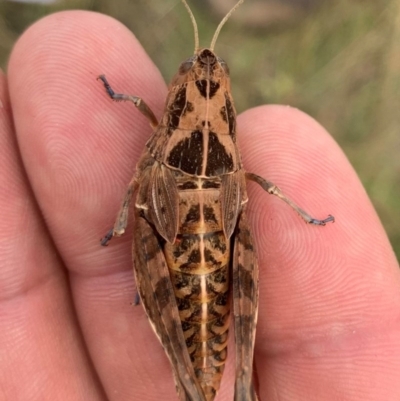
(193, 250)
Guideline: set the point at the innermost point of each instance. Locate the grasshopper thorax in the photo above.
(199, 122)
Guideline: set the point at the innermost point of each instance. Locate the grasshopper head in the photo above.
(204, 65)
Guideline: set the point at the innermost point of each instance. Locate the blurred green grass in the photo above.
(340, 62)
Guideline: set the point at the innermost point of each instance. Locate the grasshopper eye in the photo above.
(186, 66)
(223, 64)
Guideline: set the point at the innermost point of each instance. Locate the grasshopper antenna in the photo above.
(221, 24)
(196, 31)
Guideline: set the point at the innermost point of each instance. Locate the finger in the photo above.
(85, 148)
(329, 295)
(39, 341)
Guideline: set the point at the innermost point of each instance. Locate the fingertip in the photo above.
(282, 134)
(290, 148)
(303, 267)
(79, 147)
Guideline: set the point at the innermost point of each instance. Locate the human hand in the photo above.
(329, 296)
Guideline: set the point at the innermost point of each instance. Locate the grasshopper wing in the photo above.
(231, 200)
(163, 198)
(157, 295)
(245, 308)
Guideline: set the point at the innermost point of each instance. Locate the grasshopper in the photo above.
(194, 255)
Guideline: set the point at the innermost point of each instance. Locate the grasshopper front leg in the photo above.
(272, 189)
(122, 217)
(137, 101)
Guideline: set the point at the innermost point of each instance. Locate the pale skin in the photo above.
(329, 326)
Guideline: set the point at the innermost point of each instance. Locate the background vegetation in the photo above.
(339, 62)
